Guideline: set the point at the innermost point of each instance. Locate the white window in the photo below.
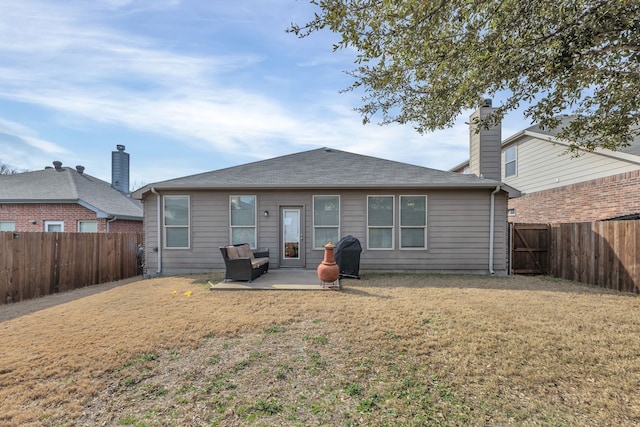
(54, 226)
(88, 226)
(413, 222)
(326, 220)
(243, 220)
(176, 222)
(380, 222)
(510, 163)
(7, 226)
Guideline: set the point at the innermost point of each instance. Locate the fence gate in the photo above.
(529, 248)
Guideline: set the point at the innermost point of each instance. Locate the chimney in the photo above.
(485, 145)
(80, 169)
(120, 169)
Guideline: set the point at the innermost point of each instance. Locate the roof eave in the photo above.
(99, 212)
(125, 217)
(34, 201)
(619, 155)
(474, 185)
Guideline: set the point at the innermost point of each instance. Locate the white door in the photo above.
(292, 249)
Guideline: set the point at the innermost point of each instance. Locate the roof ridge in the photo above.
(72, 180)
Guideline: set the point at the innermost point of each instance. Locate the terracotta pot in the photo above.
(328, 270)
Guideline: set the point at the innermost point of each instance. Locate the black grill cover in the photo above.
(347, 256)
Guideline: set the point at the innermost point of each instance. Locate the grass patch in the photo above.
(390, 349)
(317, 340)
(267, 407)
(353, 389)
(274, 329)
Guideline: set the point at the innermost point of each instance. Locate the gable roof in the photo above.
(632, 148)
(67, 185)
(322, 168)
(631, 153)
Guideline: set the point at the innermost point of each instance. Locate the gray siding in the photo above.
(150, 220)
(542, 165)
(484, 148)
(457, 231)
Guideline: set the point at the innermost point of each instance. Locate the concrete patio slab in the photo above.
(282, 279)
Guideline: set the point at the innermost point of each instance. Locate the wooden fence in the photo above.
(38, 264)
(604, 253)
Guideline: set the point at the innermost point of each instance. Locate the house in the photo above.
(406, 217)
(67, 199)
(557, 187)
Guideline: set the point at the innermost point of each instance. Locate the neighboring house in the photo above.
(406, 217)
(67, 199)
(557, 187)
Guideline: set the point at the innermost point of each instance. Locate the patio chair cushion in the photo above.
(257, 262)
(244, 251)
(232, 252)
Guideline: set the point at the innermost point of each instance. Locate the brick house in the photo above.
(557, 187)
(67, 199)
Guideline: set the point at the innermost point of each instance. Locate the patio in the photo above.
(281, 278)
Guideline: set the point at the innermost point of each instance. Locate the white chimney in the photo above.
(485, 145)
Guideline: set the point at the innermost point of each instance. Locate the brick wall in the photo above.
(124, 226)
(587, 201)
(25, 215)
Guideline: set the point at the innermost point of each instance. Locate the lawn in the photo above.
(390, 349)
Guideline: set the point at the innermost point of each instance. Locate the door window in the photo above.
(291, 233)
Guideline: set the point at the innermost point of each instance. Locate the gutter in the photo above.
(488, 184)
(492, 227)
(109, 223)
(159, 270)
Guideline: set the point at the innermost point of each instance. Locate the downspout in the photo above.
(159, 270)
(492, 227)
(109, 223)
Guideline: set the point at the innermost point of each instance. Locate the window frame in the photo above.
(46, 225)
(82, 221)
(165, 227)
(392, 226)
(513, 148)
(424, 227)
(316, 227)
(254, 244)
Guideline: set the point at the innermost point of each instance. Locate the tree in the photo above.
(422, 62)
(6, 169)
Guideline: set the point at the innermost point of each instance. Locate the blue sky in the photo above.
(187, 86)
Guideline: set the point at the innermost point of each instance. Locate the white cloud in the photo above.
(30, 137)
(86, 67)
(22, 147)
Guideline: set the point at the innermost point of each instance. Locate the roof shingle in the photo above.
(66, 185)
(323, 168)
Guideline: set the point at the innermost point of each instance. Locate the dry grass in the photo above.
(409, 350)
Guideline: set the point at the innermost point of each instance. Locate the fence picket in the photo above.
(36, 264)
(604, 253)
